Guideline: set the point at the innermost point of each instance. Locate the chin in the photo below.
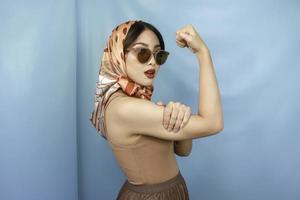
(145, 82)
(148, 82)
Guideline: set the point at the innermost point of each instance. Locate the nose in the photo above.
(152, 60)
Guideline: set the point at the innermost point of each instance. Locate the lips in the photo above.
(150, 73)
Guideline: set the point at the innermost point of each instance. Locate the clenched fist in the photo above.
(187, 36)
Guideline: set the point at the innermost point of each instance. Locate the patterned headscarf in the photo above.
(112, 76)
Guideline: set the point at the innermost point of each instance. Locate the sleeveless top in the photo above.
(149, 160)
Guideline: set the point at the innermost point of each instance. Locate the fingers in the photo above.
(180, 41)
(183, 39)
(181, 44)
(160, 103)
(167, 114)
(189, 29)
(176, 116)
(179, 120)
(173, 117)
(186, 117)
(187, 36)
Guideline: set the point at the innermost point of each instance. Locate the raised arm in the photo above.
(139, 116)
(209, 106)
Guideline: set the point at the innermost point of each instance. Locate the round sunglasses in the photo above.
(143, 55)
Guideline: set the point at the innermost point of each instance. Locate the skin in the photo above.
(129, 113)
(209, 119)
(176, 114)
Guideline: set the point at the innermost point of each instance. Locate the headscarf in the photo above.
(112, 76)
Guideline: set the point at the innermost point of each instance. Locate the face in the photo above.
(135, 69)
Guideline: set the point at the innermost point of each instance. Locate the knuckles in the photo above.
(175, 114)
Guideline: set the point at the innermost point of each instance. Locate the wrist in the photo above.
(202, 53)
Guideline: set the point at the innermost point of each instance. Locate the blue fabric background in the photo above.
(49, 60)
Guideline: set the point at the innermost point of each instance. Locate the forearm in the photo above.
(183, 147)
(209, 102)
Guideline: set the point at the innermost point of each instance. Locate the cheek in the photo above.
(133, 63)
(129, 60)
(132, 67)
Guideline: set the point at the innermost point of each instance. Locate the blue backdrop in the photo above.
(50, 53)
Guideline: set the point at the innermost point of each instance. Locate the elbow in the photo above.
(219, 124)
(216, 125)
(183, 148)
(219, 128)
(183, 154)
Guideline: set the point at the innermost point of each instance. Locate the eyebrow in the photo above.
(145, 44)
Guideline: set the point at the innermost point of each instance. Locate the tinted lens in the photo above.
(144, 55)
(161, 57)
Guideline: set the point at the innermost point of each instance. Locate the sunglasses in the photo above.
(144, 54)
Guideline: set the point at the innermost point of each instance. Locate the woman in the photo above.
(140, 131)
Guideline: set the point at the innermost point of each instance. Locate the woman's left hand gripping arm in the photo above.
(176, 115)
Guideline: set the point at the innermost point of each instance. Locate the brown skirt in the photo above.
(173, 189)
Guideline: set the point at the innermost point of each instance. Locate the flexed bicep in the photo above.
(139, 116)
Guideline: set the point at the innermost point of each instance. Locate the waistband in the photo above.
(158, 187)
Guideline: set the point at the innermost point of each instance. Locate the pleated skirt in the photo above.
(172, 189)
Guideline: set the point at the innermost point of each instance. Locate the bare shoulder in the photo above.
(140, 116)
(116, 132)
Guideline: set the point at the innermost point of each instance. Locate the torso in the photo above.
(125, 138)
(144, 159)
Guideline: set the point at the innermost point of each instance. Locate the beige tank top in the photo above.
(148, 160)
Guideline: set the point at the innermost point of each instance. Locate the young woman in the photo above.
(143, 135)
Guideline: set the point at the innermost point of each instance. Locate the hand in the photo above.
(176, 115)
(188, 37)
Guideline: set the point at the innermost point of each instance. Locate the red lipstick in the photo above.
(150, 73)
